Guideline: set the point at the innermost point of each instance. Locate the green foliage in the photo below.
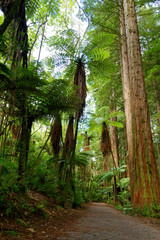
(105, 116)
(22, 222)
(49, 91)
(31, 7)
(82, 159)
(43, 97)
(7, 193)
(43, 180)
(124, 182)
(96, 192)
(41, 209)
(99, 54)
(12, 233)
(114, 172)
(6, 82)
(153, 211)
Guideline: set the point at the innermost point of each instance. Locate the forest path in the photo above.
(98, 221)
(103, 222)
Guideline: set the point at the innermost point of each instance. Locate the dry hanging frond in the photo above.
(86, 146)
(56, 133)
(105, 144)
(80, 81)
(16, 131)
(69, 140)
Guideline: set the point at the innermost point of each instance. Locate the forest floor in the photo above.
(97, 221)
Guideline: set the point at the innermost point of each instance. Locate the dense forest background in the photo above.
(80, 102)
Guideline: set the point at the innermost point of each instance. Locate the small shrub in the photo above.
(155, 209)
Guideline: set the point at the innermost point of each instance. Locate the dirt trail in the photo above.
(102, 222)
(99, 221)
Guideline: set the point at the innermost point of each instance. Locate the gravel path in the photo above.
(102, 222)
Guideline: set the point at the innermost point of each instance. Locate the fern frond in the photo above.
(99, 54)
(6, 82)
(31, 7)
(81, 160)
(4, 69)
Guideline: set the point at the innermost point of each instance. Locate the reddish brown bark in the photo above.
(105, 145)
(80, 81)
(143, 170)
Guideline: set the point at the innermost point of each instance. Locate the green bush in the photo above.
(42, 180)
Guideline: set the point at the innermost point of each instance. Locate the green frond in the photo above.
(124, 182)
(6, 82)
(4, 69)
(26, 79)
(115, 124)
(99, 54)
(106, 177)
(81, 159)
(49, 99)
(31, 7)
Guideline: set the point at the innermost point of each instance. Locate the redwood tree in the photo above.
(143, 170)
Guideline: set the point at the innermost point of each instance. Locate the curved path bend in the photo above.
(102, 222)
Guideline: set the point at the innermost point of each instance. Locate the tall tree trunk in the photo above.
(24, 150)
(69, 139)
(105, 145)
(125, 80)
(158, 143)
(42, 39)
(157, 100)
(67, 156)
(114, 142)
(15, 9)
(56, 135)
(80, 82)
(143, 170)
(21, 53)
(126, 157)
(86, 147)
(106, 150)
(125, 85)
(72, 166)
(20, 46)
(1, 121)
(68, 146)
(10, 9)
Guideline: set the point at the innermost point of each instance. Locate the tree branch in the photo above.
(36, 38)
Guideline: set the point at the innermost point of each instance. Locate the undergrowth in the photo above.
(153, 211)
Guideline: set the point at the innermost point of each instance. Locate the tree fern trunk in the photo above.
(22, 39)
